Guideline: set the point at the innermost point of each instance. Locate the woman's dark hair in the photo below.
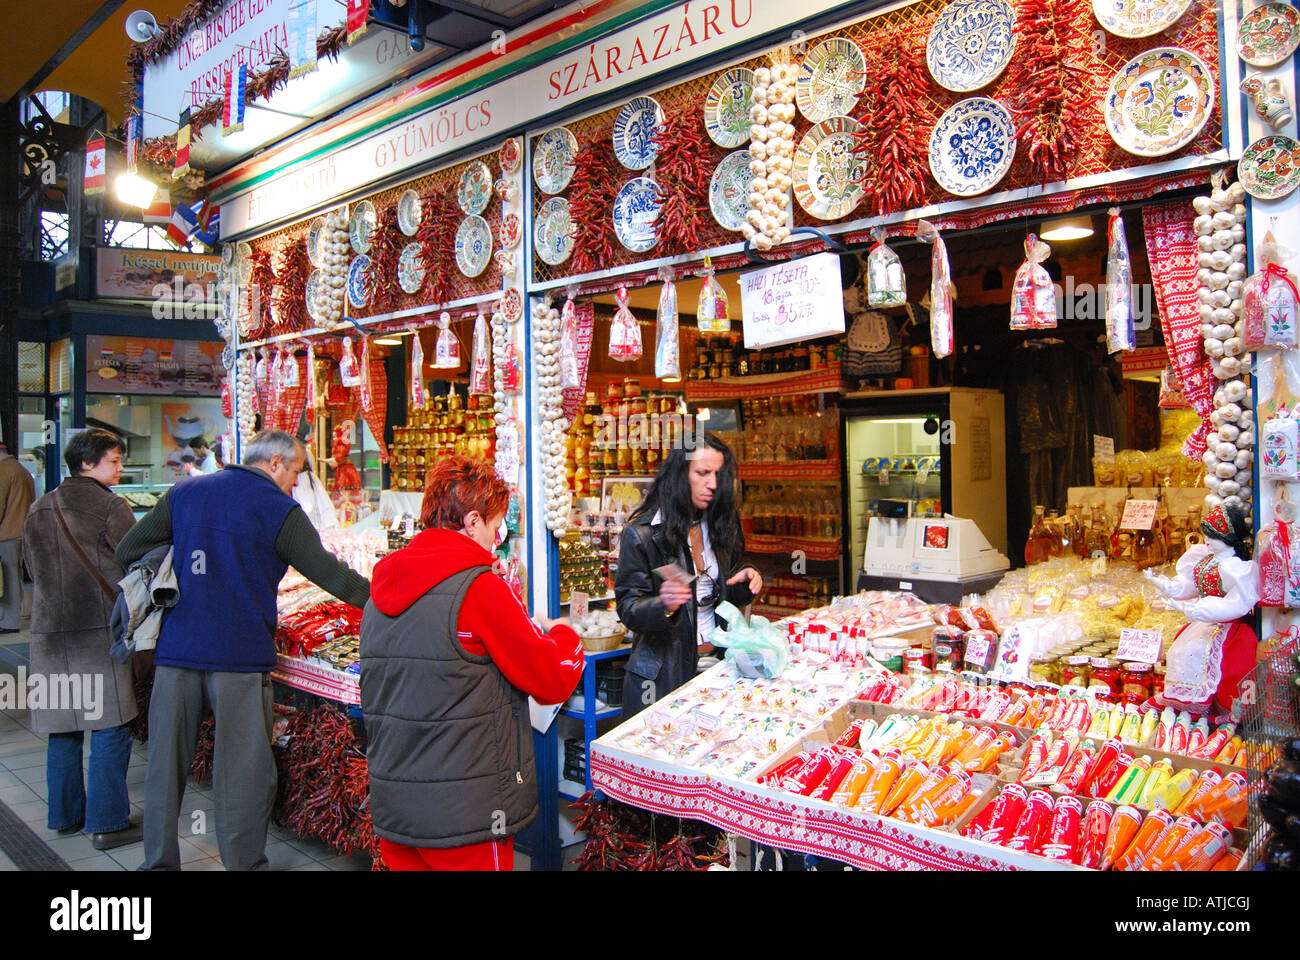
(89, 446)
(670, 495)
(196, 442)
(1241, 537)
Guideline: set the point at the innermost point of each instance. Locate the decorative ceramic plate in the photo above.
(972, 146)
(312, 294)
(1138, 18)
(512, 152)
(473, 246)
(729, 190)
(505, 261)
(553, 159)
(1159, 101)
(512, 305)
(636, 123)
(227, 255)
(636, 208)
(228, 357)
(243, 257)
(1270, 167)
(361, 228)
(970, 44)
(551, 231)
(726, 108)
(1268, 34)
(409, 212)
(313, 241)
(830, 79)
(826, 171)
(509, 231)
(359, 281)
(474, 191)
(410, 269)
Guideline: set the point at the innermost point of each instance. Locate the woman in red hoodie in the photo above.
(449, 658)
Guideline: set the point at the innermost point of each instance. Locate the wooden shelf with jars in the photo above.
(826, 380)
(790, 470)
(445, 426)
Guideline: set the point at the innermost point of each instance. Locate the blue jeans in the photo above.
(103, 807)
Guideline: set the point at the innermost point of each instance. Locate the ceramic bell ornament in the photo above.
(1269, 96)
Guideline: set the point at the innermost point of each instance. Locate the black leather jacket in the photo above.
(663, 645)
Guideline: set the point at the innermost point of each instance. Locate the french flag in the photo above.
(185, 223)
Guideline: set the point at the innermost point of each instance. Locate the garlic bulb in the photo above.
(772, 153)
(546, 364)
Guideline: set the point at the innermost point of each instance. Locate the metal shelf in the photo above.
(598, 715)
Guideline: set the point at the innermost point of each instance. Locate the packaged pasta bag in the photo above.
(1280, 447)
(668, 363)
(480, 370)
(1033, 300)
(446, 349)
(886, 284)
(624, 333)
(1119, 288)
(1269, 302)
(570, 368)
(711, 315)
(942, 291)
(417, 370)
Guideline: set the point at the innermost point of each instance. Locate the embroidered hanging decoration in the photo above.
(624, 332)
(95, 175)
(1279, 446)
(1033, 300)
(942, 291)
(234, 100)
(480, 375)
(1120, 334)
(302, 37)
(1270, 303)
(570, 375)
(886, 284)
(668, 364)
(417, 371)
(711, 314)
(446, 351)
(349, 375)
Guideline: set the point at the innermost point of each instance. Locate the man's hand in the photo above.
(754, 578)
(674, 593)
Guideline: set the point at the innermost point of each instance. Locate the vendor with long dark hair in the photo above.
(688, 519)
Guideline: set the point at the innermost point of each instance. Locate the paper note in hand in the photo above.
(670, 571)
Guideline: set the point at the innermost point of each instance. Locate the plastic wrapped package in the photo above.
(886, 284)
(942, 292)
(1280, 447)
(1120, 334)
(349, 373)
(1033, 298)
(446, 350)
(668, 363)
(417, 371)
(624, 332)
(570, 368)
(481, 358)
(711, 314)
(1270, 302)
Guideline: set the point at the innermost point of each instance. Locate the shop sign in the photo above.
(1103, 448)
(65, 270)
(788, 302)
(124, 274)
(1139, 515)
(629, 58)
(153, 366)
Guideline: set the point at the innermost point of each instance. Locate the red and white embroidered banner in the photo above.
(1172, 252)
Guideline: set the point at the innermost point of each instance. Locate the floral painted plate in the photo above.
(473, 246)
(1138, 18)
(312, 294)
(359, 281)
(971, 43)
(729, 190)
(313, 241)
(511, 153)
(227, 255)
(551, 231)
(244, 258)
(361, 228)
(509, 231)
(1268, 34)
(409, 212)
(553, 159)
(830, 79)
(726, 108)
(1159, 101)
(636, 208)
(826, 171)
(972, 146)
(636, 123)
(474, 191)
(1270, 168)
(410, 269)
(512, 305)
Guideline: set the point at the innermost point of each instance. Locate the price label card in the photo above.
(578, 602)
(1138, 515)
(977, 651)
(409, 527)
(1141, 646)
(1104, 448)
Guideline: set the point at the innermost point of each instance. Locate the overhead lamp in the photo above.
(1067, 228)
(134, 190)
(388, 341)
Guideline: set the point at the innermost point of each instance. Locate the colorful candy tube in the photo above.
(1161, 773)
(881, 782)
(1096, 827)
(1169, 841)
(904, 787)
(1206, 782)
(1178, 735)
(1131, 781)
(1033, 822)
(1218, 796)
(1076, 769)
(1198, 736)
(1171, 793)
(1124, 825)
(840, 768)
(1147, 732)
(1228, 861)
(1164, 727)
(1204, 850)
(973, 747)
(1148, 834)
(1111, 776)
(1035, 755)
(1101, 762)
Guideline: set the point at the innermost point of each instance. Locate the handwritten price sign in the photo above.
(1139, 646)
(798, 300)
(1138, 515)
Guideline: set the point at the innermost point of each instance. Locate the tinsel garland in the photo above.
(892, 139)
(385, 253)
(436, 237)
(683, 170)
(591, 203)
(1049, 85)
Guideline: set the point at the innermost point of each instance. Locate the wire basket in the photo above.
(1270, 716)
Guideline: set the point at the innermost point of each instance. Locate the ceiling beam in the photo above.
(96, 20)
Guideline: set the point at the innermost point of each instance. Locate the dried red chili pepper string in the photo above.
(683, 169)
(385, 252)
(892, 139)
(622, 837)
(291, 278)
(262, 282)
(436, 236)
(591, 206)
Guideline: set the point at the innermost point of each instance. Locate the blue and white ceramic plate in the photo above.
(636, 209)
(551, 231)
(359, 281)
(361, 228)
(312, 293)
(972, 146)
(729, 190)
(726, 108)
(228, 357)
(1138, 18)
(971, 44)
(313, 241)
(636, 123)
(831, 78)
(553, 159)
(473, 246)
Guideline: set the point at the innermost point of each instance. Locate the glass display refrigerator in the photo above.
(922, 453)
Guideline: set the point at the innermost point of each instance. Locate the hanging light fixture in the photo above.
(134, 190)
(1067, 228)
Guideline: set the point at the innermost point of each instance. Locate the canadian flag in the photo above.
(96, 162)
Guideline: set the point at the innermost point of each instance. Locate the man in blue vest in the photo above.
(234, 533)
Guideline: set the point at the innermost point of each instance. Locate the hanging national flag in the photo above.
(132, 141)
(232, 111)
(209, 217)
(182, 146)
(302, 37)
(95, 163)
(358, 13)
(184, 224)
(159, 212)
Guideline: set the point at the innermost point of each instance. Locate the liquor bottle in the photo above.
(1098, 536)
(1042, 543)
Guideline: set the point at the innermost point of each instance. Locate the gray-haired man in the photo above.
(234, 533)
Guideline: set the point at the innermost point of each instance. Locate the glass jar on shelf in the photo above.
(1135, 682)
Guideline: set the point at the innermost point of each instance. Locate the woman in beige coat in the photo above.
(75, 685)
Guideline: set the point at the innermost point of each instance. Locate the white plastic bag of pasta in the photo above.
(1033, 301)
(942, 292)
(1280, 447)
(624, 333)
(1120, 334)
(668, 364)
(480, 370)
